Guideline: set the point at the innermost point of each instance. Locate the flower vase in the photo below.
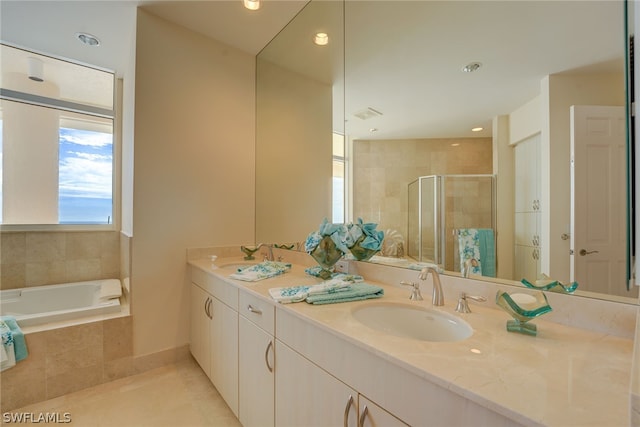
(326, 255)
(360, 253)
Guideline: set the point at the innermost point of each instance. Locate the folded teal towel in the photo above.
(356, 292)
(19, 343)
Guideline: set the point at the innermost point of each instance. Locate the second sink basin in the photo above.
(418, 323)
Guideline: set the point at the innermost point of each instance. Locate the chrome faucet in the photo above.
(437, 297)
(415, 293)
(268, 256)
(471, 262)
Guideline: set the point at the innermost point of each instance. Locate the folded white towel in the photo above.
(110, 289)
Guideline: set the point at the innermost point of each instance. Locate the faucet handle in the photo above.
(415, 293)
(463, 306)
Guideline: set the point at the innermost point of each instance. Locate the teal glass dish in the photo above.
(326, 255)
(249, 252)
(526, 308)
(554, 286)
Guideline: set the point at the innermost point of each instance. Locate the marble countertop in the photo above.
(563, 376)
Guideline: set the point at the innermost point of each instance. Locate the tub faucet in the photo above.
(437, 297)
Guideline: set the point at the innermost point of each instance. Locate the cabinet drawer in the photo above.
(258, 311)
(215, 286)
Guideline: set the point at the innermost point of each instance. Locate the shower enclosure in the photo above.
(440, 207)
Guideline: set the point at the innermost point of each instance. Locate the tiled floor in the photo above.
(177, 395)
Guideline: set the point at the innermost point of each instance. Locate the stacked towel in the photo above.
(264, 270)
(315, 271)
(110, 289)
(355, 292)
(331, 291)
(14, 347)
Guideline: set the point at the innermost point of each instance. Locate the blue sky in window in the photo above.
(85, 174)
(86, 160)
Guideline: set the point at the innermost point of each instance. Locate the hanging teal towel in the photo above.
(357, 292)
(478, 243)
(487, 252)
(19, 343)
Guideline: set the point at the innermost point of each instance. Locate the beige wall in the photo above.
(382, 170)
(193, 169)
(293, 152)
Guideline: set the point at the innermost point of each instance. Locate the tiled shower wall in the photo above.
(43, 258)
(383, 169)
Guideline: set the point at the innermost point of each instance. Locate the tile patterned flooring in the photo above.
(178, 395)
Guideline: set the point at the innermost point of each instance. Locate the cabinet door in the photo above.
(256, 376)
(372, 415)
(224, 352)
(199, 338)
(527, 175)
(306, 395)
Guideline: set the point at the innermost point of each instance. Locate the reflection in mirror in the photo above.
(409, 108)
(298, 83)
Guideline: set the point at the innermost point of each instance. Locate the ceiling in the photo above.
(408, 67)
(49, 26)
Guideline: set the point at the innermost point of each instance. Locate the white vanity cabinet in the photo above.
(306, 395)
(256, 361)
(214, 333)
(372, 415)
(199, 333)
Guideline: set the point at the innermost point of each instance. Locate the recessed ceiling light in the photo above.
(471, 67)
(321, 39)
(372, 130)
(252, 4)
(477, 129)
(88, 39)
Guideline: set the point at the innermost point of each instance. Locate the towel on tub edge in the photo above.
(14, 346)
(110, 289)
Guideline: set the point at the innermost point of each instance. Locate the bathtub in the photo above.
(53, 303)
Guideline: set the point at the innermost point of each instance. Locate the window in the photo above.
(338, 206)
(56, 142)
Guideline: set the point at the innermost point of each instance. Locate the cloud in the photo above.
(85, 138)
(86, 167)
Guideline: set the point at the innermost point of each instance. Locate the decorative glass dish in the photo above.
(249, 252)
(551, 285)
(523, 308)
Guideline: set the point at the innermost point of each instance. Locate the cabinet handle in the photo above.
(254, 310)
(365, 411)
(206, 306)
(346, 411)
(210, 308)
(266, 356)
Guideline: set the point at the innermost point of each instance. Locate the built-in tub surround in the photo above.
(564, 376)
(35, 258)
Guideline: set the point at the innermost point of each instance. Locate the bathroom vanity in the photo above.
(302, 364)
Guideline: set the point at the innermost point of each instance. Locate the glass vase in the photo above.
(326, 255)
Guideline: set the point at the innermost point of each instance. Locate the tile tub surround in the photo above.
(37, 258)
(68, 359)
(569, 376)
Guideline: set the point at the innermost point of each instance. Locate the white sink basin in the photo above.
(237, 265)
(418, 323)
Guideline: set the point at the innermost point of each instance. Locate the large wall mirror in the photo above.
(405, 83)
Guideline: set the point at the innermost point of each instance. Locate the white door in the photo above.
(598, 199)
